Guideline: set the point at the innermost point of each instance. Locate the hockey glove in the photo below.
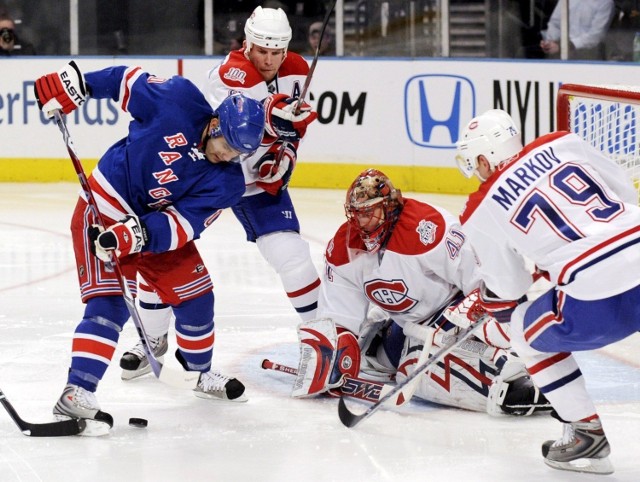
(126, 237)
(283, 122)
(275, 168)
(64, 90)
(473, 307)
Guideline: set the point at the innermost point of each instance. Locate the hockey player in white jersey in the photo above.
(263, 69)
(564, 206)
(410, 261)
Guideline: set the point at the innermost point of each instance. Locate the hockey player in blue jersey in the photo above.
(264, 69)
(158, 189)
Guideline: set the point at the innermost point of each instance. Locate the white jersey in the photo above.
(564, 206)
(235, 74)
(426, 263)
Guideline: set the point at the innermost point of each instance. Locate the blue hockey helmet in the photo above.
(241, 122)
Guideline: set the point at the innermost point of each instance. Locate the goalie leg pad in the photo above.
(327, 354)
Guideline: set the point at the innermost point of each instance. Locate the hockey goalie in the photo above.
(399, 282)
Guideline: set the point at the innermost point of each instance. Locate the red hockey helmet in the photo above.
(372, 207)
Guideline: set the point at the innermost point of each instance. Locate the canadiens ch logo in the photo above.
(390, 295)
(427, 232)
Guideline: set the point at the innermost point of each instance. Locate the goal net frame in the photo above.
(606, 116)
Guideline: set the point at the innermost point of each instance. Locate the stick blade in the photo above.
(178, 378)
(63, 428)
(347, 417)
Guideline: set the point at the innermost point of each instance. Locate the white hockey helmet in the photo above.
(269, 28)
(493, 135)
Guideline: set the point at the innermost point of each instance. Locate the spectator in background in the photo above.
(10, 43)
(235, 43)
(326, 47)
(589, 21)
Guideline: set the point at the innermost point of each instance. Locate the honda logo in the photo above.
(436, 108)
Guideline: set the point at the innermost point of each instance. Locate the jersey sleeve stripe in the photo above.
(181, 230)
(129, 78)
(110, 203)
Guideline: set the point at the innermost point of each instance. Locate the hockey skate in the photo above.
(134, 363)
(76, 402)
(212, 385)
(583, 448)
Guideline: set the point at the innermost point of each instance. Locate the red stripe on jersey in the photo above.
(93, 346)
(181, 234)
(544, 321)
(539, 326)
(562, 277)
(305, 290)
(196, 345)
(127, 89)
(97, 189)
(538, 367)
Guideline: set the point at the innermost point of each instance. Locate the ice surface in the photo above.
(271, 437)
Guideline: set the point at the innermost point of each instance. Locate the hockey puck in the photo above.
(138, 422)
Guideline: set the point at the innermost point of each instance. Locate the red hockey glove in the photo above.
(126, 237)
(275, 168)
(471, 309)
(281, 119)
(64, 90)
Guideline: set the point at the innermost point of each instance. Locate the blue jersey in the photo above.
(157, 172)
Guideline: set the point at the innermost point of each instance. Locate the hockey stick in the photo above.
(359, 388)
(350, 419)
(418, 331)
(173, 377)
(307, 80)
(312, 68)
(62, 428)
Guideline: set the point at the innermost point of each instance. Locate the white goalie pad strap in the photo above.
(318, 340)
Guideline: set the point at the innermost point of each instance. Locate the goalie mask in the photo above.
(268, 28)
(493, 135)
(372, 208)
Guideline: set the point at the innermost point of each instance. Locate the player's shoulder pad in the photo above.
(420, 228)
(294, 64)
(344, 241)
(239, 72)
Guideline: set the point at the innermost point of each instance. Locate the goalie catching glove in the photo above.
(327, 355)
(282, 120)
(275, 168)
(126, 237)
(64, 90)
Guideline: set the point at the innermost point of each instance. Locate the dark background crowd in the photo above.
(505, 29)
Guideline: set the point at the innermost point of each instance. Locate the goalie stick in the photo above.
(170, 376)
(351, 387)
(350, 419)
(62, 428)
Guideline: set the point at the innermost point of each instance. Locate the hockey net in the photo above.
(608, 117)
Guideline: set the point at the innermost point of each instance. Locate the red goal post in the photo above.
(608, 117)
